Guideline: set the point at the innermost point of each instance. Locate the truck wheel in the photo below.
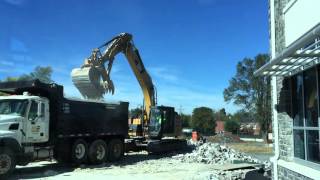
(79, 151)
(116, 150)
(98, 152)
(7, 162)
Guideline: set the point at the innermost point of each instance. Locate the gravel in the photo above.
(215, 154)
(212, 153)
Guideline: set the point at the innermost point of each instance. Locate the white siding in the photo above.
(300, 16)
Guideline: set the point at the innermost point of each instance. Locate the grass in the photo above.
(251, 147)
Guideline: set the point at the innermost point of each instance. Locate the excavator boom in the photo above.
(93, 78)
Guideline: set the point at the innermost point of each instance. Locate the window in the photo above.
(297, 97)
(43, 109)
(13, 106)
(305, 114)
(33, 110)
(310, 98)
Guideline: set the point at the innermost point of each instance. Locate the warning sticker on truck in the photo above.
(35, 129)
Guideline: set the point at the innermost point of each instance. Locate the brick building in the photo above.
(295, 70)
(219, 126)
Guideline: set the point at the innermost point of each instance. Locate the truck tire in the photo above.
(98, 152)
(116, 150)
(7, 162)
(79, 151)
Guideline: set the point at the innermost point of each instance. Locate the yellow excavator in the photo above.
(93, 79)
(161, 124)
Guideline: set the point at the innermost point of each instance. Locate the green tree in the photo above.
(41, 73)
(203, 120)
(251, 92)
(186, 120)
(11, 79)
(6, 80)
(243, 116)
(232, 125)
(136, 112)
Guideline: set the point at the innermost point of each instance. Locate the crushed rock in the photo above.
(213, 153)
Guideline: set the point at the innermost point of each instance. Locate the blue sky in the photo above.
(190, 47)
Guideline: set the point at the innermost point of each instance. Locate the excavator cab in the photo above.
(162, 122)
(156, 119)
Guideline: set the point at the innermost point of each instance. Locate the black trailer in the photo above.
(78, 131)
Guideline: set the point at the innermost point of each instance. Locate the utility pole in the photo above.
(180, 110)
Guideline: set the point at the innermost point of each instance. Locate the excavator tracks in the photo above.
(166, 145)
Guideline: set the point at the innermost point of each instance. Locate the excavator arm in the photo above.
(93, 78)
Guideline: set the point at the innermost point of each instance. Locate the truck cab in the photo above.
(38, 123)
(24, 118)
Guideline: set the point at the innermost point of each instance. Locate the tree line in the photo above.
(251, 93)
(42, 73)
(203, 120)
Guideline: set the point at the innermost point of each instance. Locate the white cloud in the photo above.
(17, 45)
(206, 2)
(164, 73)
(187, 98)
(6, 63)
(3, 70)
(15, 2)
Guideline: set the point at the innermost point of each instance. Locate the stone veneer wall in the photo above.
(284, 119)
(285, 174)
(283, 100)
(283, 89)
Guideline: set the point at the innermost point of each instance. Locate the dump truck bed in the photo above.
(92, 118)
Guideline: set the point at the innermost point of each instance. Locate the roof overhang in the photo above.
(299, 56)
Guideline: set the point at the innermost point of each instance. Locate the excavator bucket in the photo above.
(88, 81)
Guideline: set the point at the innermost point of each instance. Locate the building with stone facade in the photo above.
(295, 71)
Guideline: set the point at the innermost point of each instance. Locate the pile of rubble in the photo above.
(212, 153)
(215, 154)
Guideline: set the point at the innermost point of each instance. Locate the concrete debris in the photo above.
(212, 153)
(217, 155)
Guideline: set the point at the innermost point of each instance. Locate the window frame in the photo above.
(305, 128)
(31, 103)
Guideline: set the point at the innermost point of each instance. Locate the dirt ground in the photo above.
(251, 147)
(138, 165)
(134, 166)
(258, 150)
